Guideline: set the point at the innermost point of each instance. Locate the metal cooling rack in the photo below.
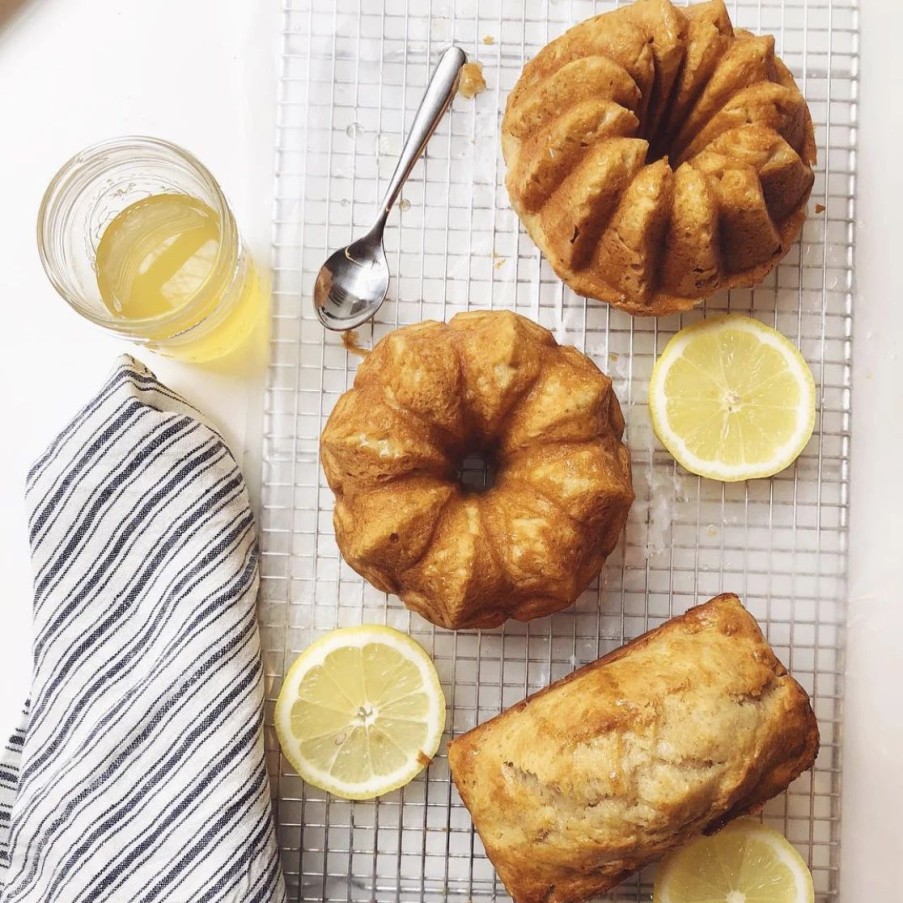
(353, 74)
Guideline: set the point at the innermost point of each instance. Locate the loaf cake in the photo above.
(670, 736)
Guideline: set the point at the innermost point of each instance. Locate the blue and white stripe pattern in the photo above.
(139, 772)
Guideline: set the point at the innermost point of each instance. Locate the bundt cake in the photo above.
(544, 417)
(655, 155)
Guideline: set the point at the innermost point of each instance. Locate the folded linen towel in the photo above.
(138, 774)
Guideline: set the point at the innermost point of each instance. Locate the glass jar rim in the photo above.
(85, 156)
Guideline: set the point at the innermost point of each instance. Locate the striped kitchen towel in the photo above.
(138, 773)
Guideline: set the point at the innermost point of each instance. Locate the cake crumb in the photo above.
(351, 341)
(499, 262)
(819, 208)
(472, 81)
(489, 39)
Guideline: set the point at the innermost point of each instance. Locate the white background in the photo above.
(203, 73)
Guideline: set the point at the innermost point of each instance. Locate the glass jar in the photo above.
(98, 184)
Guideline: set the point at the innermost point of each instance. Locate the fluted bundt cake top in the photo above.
(656, 155)
(493, 383)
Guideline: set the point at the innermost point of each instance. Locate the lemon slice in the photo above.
(743, 863)
(732, 399)
(360, 712)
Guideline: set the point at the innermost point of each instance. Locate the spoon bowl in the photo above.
(354, 281)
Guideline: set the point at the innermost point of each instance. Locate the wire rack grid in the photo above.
(353, 74)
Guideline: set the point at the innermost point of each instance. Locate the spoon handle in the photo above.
(439, 94)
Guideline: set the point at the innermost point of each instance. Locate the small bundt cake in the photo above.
(656, 155)
(542, 415)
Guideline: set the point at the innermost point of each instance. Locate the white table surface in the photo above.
(203, 73)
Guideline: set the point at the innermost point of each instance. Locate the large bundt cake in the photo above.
(544, 416)
(656, 155)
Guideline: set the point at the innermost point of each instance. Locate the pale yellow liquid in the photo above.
(161, 256)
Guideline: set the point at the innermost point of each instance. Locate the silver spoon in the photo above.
(354, 281)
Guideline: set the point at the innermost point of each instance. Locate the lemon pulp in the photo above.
(361, 712)
(732, 399)
(745, 862)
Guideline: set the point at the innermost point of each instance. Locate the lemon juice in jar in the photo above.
(164, 256)
(158, 257)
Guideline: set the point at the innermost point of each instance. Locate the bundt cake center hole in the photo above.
(476, 472)
(657, 151)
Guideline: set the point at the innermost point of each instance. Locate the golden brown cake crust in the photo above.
(667, 737)
(596, 133)
(495, 383)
